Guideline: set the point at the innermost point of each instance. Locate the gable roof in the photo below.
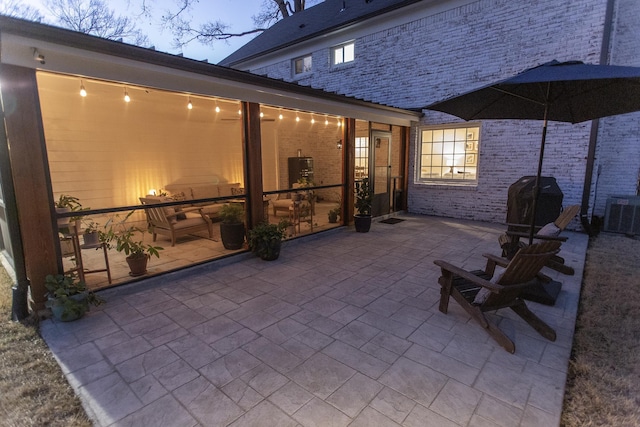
(74, 53)
(326, 17)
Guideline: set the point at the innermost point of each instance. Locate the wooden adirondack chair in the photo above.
(510, 241)
(477, 291)
(166, 221)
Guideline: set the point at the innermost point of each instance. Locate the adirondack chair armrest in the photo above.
(535, 236)
(526, 226)
(445, 266)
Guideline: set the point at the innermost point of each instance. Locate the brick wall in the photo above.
(447, 53)
(618, 151)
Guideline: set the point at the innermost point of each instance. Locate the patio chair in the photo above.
(510, 241)
(498, 286)
(174, 223)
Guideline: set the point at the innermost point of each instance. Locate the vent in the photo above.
(622, 215)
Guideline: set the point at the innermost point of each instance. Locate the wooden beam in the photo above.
(252, 147)
(349, 156)
(28, 157)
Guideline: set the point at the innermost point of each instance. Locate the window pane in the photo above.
(299, 66)
(349, 54)
(337, 56)
(449, 154)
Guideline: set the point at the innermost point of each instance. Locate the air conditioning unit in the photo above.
(622, 214)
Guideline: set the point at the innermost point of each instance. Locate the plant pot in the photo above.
(67, 309)
(63, 222)
(91, 239)
(362, 223)
(269, 250)
(66, 247)
(232, 235)
(137, 264)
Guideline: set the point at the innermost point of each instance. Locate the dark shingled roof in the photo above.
(323, 18)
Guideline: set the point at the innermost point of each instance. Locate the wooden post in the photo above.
(28, 157)
(348, 156)
(252, 151)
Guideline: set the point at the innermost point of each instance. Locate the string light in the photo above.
(326, 121)
(261, 114)
(297, 119)
(217, 109)
(126, 95)
(83, 92)
(313, 120)
(239, 112)
(281, 116)
(189, 105)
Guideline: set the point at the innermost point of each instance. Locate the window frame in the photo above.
(460, 154)
(303, 72)
(341, 47)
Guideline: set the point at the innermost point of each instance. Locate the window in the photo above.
(343, 53)
(362, 157)
(302, 65)
(449, 154)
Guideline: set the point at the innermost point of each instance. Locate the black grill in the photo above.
(520, 201)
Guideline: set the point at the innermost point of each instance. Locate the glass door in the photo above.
(381, 180)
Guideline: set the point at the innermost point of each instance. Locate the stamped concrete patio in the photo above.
(343, 329)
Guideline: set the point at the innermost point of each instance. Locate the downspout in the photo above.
(593, 136)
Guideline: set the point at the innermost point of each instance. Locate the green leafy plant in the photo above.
(231, 213)
(123, 238)
(334, 214)
(91, 227)
(67, 297)
(265, 238)
(72, 203)
(364, 197)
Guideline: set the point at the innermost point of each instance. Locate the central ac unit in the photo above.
(622, 214)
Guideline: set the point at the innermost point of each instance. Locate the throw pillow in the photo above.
(484, 293)
(549, 230)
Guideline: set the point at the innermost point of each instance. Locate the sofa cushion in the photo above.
(226, 190)
(204, 191)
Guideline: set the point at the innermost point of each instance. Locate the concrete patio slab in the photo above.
(343, 329)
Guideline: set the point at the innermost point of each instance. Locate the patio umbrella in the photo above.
(570, 92)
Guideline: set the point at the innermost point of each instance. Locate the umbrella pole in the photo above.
(536, 187)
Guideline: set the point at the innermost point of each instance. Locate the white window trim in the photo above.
(469, 182)
(303, 73)
(342, 46)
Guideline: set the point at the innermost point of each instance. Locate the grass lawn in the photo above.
(603, 387)
(33, 390)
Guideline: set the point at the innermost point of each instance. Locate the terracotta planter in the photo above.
(137, 264)
(362, 223)
(232, 235)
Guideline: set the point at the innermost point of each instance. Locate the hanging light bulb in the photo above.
(261, 114)
(83, 92)
(189, 104)
(297, 119)
(281, 116)
(127, 98)
(313, 120)
(217, 109)
(239, 112)
(326, 121)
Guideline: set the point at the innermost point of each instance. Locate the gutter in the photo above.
(593, 136)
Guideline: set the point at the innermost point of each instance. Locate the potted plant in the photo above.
(232, 225)
(265, 240)
(334, 214)
(364, 199)
(67, 203)
(137, 252)
(91, 234)
(68, 298)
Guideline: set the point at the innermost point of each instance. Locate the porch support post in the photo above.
(404, 162)
(28, 158)
(252, 150)
(348, 162)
